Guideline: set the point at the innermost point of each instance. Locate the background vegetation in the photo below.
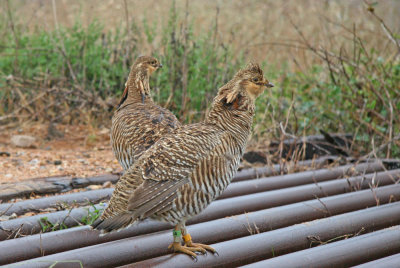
(335, 63)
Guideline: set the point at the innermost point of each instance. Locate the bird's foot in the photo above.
(177, 247)
(204, 247)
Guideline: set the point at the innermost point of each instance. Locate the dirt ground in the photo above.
(81, 152)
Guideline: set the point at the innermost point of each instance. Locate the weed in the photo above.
(93, 214)
(48, 226)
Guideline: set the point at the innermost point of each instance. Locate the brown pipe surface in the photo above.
(234, 189)
(300, 178)
(39, 204)
(32, 246)
(31, 225)
(151, 245)
(390, 261)
(236, 205)
(340, 254)
(257, 247)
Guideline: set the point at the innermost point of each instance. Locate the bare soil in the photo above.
(83, 152)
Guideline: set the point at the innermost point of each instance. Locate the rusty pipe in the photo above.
(300, 178)
(342, 253)
(253, 248)
(236, 205)
(234, 189)
(151, 245)
(390, 261)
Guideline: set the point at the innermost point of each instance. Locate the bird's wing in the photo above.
(164, 169)
(167, 166)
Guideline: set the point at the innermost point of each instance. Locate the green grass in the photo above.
(48, 226)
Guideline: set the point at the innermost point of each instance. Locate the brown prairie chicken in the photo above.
(138, 122)
(181, 174)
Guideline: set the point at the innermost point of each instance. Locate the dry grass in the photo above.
(261, 29)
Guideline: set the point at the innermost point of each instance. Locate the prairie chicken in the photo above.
(184, 172)
(138, 122)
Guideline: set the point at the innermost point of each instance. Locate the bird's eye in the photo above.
(153, 62)
(255, 79)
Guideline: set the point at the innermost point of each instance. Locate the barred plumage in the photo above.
(138, 122)
(184, 172)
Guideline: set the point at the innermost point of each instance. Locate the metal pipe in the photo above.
(27, 247)
(300, 178)
(39, 204)
(276, 169)
(236, 251)
(31, 225)
(50, 185)
(391, 261)
(234, 189)
(233, 206)
(282, 241)
(340, 254)
(152, 245)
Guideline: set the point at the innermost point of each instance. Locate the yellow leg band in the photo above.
(187, 237)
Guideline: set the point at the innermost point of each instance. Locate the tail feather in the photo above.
(114, 223)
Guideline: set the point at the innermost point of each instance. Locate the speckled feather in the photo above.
(138, 122)
(184, 172)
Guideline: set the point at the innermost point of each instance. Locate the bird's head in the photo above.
(147, 64)
(244, 88)
(138, 80)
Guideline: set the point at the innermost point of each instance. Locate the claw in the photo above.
(204, 248)
(177, 247)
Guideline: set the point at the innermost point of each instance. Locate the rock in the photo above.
(23, 141)
(5, 154)
(110, 170)
(107, 184)
(13, 216)
(34, 162)
(94, 187)
(57, 162)
(8, 176)
(104, 131)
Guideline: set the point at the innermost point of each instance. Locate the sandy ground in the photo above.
(82, 151)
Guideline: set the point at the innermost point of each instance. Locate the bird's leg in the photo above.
(176, 246)
(189, 243)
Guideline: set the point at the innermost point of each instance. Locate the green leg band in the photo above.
(177, 235)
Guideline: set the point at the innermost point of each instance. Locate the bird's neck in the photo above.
(237, 122)
(137, 88)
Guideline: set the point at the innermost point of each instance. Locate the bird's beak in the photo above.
(268, 84)
(160, 66)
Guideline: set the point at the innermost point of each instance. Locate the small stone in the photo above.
(17, 162)
(34, 161)
(5, 154)
(60, 168)
(104, 131)
(8, 176)
(94, 187)
(13, 216)
(107, 184)
(23, 141)
(57, 162)
(110, 170)
(48, 148)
